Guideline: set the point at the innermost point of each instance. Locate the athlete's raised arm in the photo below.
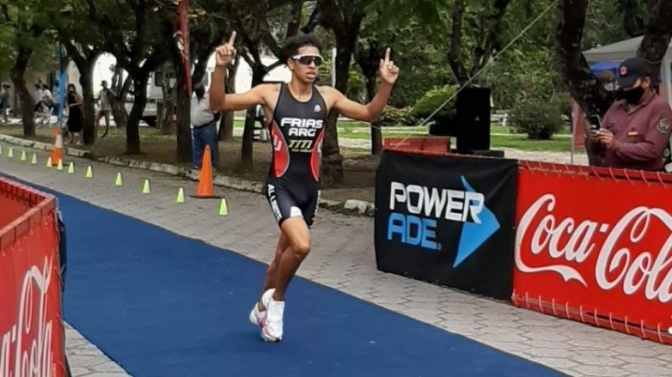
(219, 101)
(370, 112)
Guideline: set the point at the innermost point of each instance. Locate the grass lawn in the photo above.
(501, 137)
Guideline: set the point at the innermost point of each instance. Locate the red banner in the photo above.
(595, 249)
(31, 327)
(183, 41)
(438, 144)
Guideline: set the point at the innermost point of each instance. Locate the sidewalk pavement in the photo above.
(342, 258)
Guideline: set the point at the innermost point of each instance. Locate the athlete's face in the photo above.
(304, 63)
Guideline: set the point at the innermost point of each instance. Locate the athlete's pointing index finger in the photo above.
(232, 39)
(387, 55)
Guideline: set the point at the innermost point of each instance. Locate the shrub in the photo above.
(397, 117)
(538, 119)
(432, 100)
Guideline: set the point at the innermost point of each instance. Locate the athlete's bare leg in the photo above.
(296, 231)
(272, 272)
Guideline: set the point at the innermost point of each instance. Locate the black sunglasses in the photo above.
(307, 59)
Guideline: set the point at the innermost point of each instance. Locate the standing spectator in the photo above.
(204, 123)
(48, 105)
(37, 98)
(635, 130)
(75, 114)
(105, 100)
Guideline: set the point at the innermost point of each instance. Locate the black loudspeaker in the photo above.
(473, 120)
(444, 126)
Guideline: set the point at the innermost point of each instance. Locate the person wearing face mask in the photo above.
(636, 129)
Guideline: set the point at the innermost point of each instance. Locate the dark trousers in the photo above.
(203, 136)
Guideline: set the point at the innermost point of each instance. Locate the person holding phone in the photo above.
(635, 131)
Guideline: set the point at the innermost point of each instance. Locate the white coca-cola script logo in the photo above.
(653, 271)
(25, 350)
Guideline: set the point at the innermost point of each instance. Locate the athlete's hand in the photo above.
(226, 52)
(388, 71)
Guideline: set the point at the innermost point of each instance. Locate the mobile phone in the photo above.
(595, 122)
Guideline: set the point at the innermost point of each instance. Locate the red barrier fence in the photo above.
(594, 245)
(31, 327)
(437, 144)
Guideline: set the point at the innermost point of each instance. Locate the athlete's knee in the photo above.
(301, 247)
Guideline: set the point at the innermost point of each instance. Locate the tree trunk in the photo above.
(633, 20)
(133, 126)
(226, 124)
(657, 38)
(84, 59)
(332, 160)
(247, 155)
(258, 73)
(368, 58)
(574, 70)
(17, 75)
(454, 59)
(345, 23)
(86, 81)
(376, 132)
(183, 120)
(121, 93)
(164, 117)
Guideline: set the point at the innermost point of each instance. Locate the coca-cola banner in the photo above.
(31, 327)
(595, 248)
(447, 220)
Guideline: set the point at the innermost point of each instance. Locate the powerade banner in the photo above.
(447, 220)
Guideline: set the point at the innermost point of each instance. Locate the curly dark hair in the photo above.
(294, 43)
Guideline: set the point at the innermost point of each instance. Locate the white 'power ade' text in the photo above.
(454, 205)
(424, 206)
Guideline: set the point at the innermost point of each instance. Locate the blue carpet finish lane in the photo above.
(163, 305)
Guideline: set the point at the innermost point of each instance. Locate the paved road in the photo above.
(343, 258)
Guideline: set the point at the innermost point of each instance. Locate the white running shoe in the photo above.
(257, 316)
(271, 331)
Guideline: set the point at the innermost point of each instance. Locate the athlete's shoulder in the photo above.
(268, 88)
(330, 94)
(326, 89)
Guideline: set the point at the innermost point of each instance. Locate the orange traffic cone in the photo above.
(206, 189)
(57, 151)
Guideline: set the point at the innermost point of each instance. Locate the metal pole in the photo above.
(665, 75)
(62, 82)
(333, 66)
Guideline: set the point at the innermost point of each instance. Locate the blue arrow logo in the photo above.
(474, 235)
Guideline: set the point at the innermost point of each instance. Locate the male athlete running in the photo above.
(297, 112)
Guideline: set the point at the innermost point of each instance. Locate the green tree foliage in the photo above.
(441, 99)
(539, 119)
(508, 46)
